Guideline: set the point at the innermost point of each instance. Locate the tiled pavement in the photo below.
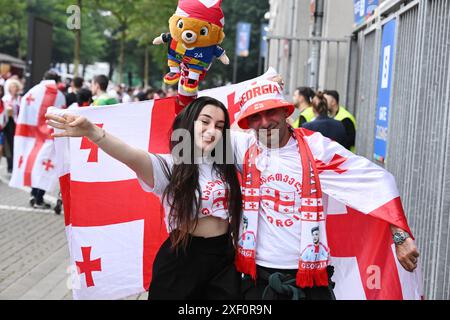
(34, 258)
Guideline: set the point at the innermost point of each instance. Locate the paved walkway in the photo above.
(34, 258)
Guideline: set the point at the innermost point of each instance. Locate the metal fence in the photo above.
(418, 149)
(293, 57)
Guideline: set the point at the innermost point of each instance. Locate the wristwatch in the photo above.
(400, 237)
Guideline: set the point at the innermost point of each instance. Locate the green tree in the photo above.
(13, 27)
(251, 11)
(124, 11)
(151, 20)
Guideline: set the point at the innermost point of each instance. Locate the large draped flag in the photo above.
(114, 228)
(361, 202)
(34, 151)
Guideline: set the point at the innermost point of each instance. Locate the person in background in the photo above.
(160, 94)
(339, 113)
(302, 99)
(2, 121)
(32, 106)
(127, 95)
(11, 103)
(75, 86)
(151, 94)
(322, 123)
(117, 92)
(98, 87)
(140, 96)
(171, 92)
(84, 97)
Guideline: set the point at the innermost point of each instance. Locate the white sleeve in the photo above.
(159, 174)
(240, 142)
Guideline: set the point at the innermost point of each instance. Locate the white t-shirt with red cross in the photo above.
(279, 223)
(214, 190)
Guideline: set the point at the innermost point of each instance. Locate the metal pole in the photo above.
(235, 55)
(294, 51)
(315, 50)
(235, 67)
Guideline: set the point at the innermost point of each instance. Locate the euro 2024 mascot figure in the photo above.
(196, 29)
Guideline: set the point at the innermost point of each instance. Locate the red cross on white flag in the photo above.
(88, 266)
(34, 153)
(106, 209)
(29, 99)
(277, 200)
(87, 144)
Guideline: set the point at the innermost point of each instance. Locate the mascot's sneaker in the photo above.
(171, 78)
(190, 86)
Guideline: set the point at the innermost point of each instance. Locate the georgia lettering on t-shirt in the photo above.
(279, 223)
(214, 190)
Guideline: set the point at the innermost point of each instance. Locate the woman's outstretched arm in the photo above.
(79, 126)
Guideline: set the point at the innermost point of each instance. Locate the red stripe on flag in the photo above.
(30, 162)
(25, 130)
(393, 213)
(119, 201)
(306, 132)
(163, 114)
(64, 182)
(369, 239)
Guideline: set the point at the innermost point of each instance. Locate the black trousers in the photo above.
(204, 271)
(8, 143)
(260, 289)
(38, 194)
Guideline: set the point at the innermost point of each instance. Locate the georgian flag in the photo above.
(361, 201)
(34, 151)
(114, 228)
(3, 117)
(280, 201)
(220, 201)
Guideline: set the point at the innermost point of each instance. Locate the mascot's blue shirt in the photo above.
(197, 58)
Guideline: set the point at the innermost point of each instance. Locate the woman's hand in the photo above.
(73, 126)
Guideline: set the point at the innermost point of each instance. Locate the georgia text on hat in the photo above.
(253, 92)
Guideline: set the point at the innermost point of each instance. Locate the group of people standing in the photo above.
(320, 111)
(263, 237)
(74, 94)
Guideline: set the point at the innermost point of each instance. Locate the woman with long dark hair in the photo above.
(200, 191)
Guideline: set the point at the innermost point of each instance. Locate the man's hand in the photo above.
(277, 79)
(407, 254)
